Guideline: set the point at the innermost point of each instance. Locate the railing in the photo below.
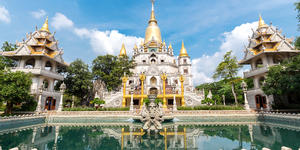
(255, 72)
(21, 116)
(40, 71)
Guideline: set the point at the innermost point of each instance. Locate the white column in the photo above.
(60, 106)
(38, 107)
(247, 107)
(131, 102)
(174, 103)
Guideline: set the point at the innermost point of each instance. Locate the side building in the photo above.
(267, 47)
(39, 54)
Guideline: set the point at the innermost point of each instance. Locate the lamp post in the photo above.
(244, 86)
(62, 90)
(131, 99)
(38, 107)
(174, 98)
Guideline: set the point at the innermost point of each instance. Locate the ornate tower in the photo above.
(39, 54)
(267, 47)
(184, 67)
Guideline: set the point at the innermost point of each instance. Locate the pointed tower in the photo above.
(152, 31)
(267, 47)
(39, 54)
(184, 65)
(123, 51)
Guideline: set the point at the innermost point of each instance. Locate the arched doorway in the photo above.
(261, 101)
(50, 103)
(153, 91)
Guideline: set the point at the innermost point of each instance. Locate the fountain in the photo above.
(153, 115)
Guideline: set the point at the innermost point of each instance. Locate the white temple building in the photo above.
(39, 55)
(157, 71)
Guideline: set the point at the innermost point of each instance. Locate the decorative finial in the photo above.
(152, 1)
(123, 51)
(261, 22)
(183, 51)
(45, 26)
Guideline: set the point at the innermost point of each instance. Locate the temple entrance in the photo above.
(153, 91)
(261, 101)
(50, 103)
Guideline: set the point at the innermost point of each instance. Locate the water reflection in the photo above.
(171, 137)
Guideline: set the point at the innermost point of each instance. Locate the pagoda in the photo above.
(267, 47)
(39, 55)
(157, 72)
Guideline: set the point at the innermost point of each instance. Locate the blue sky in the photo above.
(88, 28)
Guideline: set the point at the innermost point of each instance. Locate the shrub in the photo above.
(158, 100)
(94, 109)
(212, 107)
(97, 101)
(146, 101)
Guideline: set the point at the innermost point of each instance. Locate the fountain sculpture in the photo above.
(152, 115)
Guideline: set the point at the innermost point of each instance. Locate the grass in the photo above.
(94, 109)
(213, 107)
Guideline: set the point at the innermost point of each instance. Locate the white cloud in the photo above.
(108, 42)
(38, 14)
(204, 67)
(4, 15)
(102, 42)
(60, 21)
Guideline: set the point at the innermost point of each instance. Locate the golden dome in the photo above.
(45, 26)
(152, 30)
(261, 22)
(123, 51)
(183, 51)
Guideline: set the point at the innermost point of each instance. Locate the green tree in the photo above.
(297, 41)
(79, 80)
(6, 62)
(228, 70)
(15, 88)
(111, 68)
(283, 80)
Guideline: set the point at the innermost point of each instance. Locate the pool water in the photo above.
(204, 137)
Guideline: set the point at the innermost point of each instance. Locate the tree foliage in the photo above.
(283, 81)
(15, 89)
(6, 62)
(227, 70)
(79, 80)
(220, 88)
(111, 68)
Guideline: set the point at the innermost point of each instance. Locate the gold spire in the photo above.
(261, 22)
(45, 26)
(123, 51)
(152, 30)
(183, 51)
(170, 46)
(135, 46)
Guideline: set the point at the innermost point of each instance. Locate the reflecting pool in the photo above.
(210, 137)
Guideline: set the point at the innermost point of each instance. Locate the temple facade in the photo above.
(40, 55)
(267, 47)
(157, 71)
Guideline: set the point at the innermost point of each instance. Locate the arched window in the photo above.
(261, 81)
(153, 81)
(153, 61)
(48, 66)
(30, 64)
(45, 85)
(258, 64)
